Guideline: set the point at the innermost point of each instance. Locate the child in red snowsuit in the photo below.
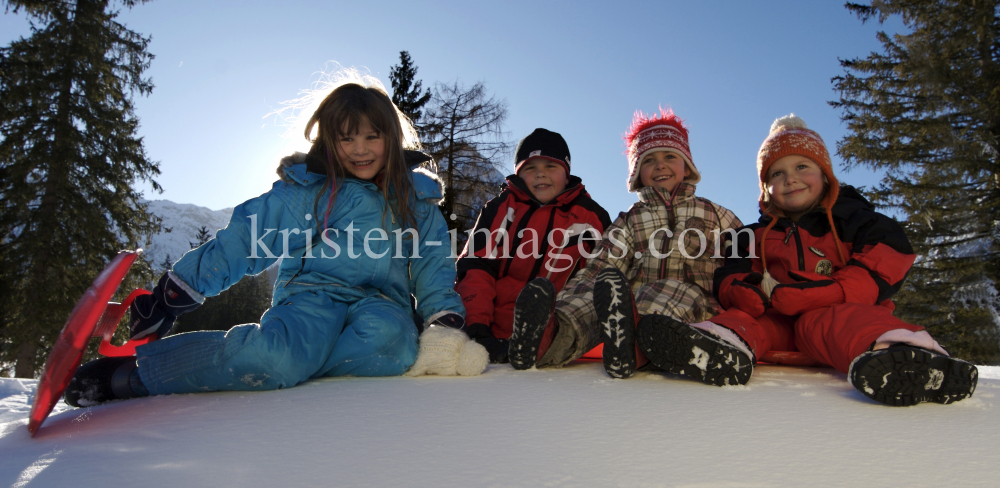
(827, 267)
(538, 226)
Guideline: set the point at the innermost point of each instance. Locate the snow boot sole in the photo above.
(901, 376)
(616, 317)
(533, 311)
(678, 348)
(100, 381)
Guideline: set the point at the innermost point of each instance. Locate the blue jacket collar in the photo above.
(299, 174)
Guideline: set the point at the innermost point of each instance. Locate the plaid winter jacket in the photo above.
(668, 246)
(517, 239)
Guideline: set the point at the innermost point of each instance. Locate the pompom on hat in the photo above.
(789, 135)
(649, 134)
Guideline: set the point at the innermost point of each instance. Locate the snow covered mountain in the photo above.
(181, 222)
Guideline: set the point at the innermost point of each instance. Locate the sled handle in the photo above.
(109, 322)
(788, 358)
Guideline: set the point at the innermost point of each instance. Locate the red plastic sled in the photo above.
(595, 353)
(93, 316)
(788, 358)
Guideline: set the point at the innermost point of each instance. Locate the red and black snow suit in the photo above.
(517, 239)
(821, 306)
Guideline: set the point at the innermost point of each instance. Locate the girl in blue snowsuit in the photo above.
(359, 233)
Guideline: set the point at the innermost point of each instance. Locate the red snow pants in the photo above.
(832, 335)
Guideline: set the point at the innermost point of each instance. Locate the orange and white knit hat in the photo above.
(790, 135)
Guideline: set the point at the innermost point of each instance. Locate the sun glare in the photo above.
(295, 113)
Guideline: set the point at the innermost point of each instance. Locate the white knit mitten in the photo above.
(446, 351)
(472, 360)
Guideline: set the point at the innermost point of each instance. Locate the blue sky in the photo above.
(580, 68)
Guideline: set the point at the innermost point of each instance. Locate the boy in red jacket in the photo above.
(539, 226)
(828, 265)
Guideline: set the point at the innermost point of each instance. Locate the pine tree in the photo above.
(70, 161)
(406, 89)
(464, 133)
(926, 111)
(202, 237)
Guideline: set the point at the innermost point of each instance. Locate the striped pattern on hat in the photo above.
(663, 132)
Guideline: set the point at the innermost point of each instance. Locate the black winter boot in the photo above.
(616, 317)
(678, 348)
(533, 311)
(903, 375)
(101, 380)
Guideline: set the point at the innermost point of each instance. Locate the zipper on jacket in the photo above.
(537, 268)
(798, 246)
(672, 223)
(662, 272)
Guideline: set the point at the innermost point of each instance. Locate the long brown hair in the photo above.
(341, 113)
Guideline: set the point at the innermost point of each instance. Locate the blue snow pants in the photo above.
(308, 336)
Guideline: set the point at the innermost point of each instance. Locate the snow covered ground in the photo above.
(556, 427)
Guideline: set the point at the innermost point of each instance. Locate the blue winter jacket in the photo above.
(280, 223)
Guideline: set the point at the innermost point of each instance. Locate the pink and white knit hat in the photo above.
(663, 132)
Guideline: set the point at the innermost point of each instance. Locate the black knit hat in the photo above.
(542, 143)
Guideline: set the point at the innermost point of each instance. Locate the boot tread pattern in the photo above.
(904, 376)
(615, 316)
(532, 311)
(679, 348)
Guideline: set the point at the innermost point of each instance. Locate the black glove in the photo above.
(155, 314)
(453, 320)
(497, 348)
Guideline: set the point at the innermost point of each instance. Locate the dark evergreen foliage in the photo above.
(926, 111)
(70, 162)
(406, 89)
(242, 303)
(203, 236)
